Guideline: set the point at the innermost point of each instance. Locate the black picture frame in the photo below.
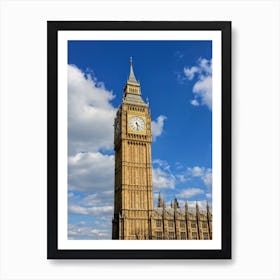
(53, 27)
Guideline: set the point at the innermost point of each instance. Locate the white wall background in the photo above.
(255, 127)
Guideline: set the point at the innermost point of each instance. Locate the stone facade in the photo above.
(181, 223)
(134, 214)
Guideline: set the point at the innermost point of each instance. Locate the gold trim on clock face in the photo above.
(137, 123)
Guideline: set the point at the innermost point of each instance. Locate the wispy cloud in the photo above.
(179, 54)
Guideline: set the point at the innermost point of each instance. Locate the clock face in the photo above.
(137, 123)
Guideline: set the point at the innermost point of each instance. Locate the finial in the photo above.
(131, 60)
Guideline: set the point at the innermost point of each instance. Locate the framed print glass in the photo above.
(139, 140)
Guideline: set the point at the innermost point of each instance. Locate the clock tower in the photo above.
(133, 205)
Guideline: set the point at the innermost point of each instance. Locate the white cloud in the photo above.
(204, 173)
(157, 126)
(205, 66)
(77, 209)
(190, 72)
(187, 193)
(90, 113)
(99, 198)
(207, 178)
(163, 179)
(201, 204)
(209, 195)
(89, 172)
(196, 171)
(203, 92)
(162, 163)
(82, 231)
(181, 178)
(202, 88)
(70, 194)
(194, 102)
(96, 209)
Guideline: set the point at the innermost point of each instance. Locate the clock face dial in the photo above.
(137, 123)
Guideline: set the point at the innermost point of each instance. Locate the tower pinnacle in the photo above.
(131, 78)
(132, 90)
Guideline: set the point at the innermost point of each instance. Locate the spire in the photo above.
(163, 209)
(186, 207)
(197, 208)
(176, 203)
(132, 91)
(176, 206)
(160, 201)
(131, 78)
(208, 208)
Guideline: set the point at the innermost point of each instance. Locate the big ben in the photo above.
(133, 205)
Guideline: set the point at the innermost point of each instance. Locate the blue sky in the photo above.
(176, 77)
